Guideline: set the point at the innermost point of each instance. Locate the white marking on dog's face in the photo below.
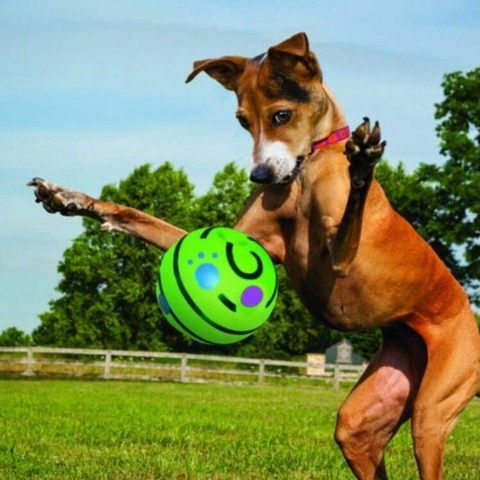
(278, 157)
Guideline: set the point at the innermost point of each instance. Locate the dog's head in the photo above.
(281, 102)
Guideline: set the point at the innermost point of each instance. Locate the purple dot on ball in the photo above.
(252, 296)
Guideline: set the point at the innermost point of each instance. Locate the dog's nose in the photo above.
(261, 173)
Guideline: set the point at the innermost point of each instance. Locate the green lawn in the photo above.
(67, 429)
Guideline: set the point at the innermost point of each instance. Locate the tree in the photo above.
(224, 201)
(14, 337)
(455, 225)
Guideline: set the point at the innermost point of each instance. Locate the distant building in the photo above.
(342, 352)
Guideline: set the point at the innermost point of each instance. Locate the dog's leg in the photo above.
(363, 151)
(380, 402)
(451, 379)
(113, 217)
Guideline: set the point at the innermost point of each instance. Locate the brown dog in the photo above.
(355, 263)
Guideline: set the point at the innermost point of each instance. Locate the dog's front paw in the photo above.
(55, 198)
(364, 150)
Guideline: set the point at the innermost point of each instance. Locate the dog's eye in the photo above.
(243, 122)
(281, 117)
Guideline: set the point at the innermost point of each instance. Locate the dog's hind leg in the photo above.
(451, 379)
(363, 151)
(380, 402)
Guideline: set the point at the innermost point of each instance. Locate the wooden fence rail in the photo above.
(182, 367)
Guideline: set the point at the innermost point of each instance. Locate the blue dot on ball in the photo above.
(207, 276)
(162, 301)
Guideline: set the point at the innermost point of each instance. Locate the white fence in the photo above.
(182, 367)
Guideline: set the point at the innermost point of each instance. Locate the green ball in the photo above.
(216, 285)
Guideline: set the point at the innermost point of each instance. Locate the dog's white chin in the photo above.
(294, 173)
(283, 164)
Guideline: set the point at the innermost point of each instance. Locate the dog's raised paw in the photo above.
(55, 198)
(364, 150)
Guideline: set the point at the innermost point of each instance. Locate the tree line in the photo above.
(107, 295)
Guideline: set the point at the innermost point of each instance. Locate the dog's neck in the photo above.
(333, 127)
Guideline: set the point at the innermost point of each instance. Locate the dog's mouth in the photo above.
(265, 173)
(296, 170)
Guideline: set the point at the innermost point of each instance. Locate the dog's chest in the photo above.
(309, 266)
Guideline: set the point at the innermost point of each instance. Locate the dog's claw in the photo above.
(41, 192)
(362, 131)
(375, 135)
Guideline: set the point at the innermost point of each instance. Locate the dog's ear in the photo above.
(296, 45)
(294, 54)
(226, 70)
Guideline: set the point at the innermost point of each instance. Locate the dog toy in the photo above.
(216, 285)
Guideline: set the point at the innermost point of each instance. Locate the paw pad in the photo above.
(207, 275)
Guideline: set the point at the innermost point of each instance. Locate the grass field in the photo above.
(64, 429)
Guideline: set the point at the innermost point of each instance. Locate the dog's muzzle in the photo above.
(264, 173)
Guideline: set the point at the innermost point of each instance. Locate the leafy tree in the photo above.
(14, 337)
(455, 225)
(221, 205)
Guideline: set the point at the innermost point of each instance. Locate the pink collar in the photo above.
(335, 137)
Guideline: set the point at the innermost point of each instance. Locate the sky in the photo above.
(89, 90)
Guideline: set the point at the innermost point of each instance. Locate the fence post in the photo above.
(29, 370)
(336, 377)
(261, 371)
(183, 368)
(108, 364)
